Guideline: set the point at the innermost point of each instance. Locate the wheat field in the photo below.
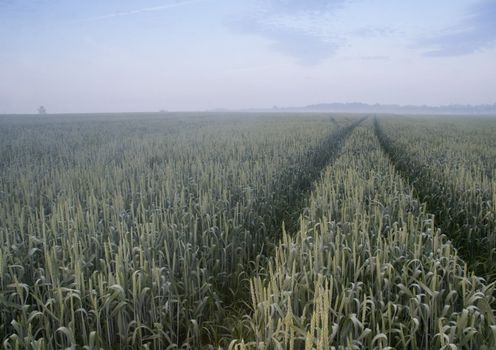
(247, 231)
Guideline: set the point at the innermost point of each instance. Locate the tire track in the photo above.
(454, 225)
(295, 183)
(282, 207)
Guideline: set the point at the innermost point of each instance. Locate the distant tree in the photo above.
(42, 110)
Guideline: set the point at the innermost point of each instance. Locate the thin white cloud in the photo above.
(141, 10)
(475, 33)
(301, 29)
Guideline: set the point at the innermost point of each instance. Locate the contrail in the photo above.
(142, 10)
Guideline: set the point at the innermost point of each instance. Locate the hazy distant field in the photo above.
(247, 231)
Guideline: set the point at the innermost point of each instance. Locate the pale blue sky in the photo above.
(75, 56)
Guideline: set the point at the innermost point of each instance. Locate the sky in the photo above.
(129, 55)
